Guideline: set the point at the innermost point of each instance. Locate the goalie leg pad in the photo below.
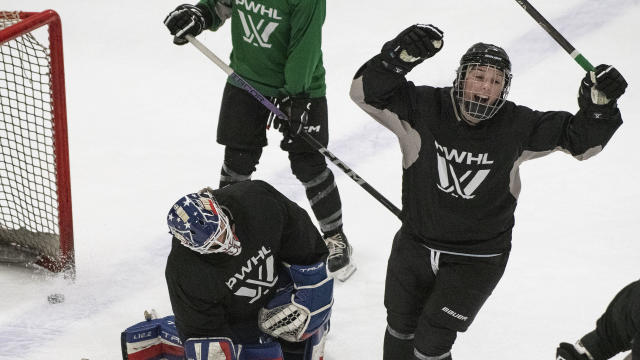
(268, 351)
(310, 349)
(152, 339)
(211, 348)
(221, 348)
(314, 349)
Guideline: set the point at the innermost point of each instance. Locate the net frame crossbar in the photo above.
(29, 22)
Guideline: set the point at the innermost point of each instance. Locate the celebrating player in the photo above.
(461, 149)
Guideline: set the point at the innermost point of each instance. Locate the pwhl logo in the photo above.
(457, 183)
(255, 278)
(257, 32)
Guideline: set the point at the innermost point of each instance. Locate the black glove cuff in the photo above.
(381, 61)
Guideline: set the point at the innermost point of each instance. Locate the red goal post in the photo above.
(35, 191)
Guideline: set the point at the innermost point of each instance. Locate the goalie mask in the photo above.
(482, 82)
(198, 221)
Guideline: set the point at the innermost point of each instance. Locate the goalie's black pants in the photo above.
(618, 329)
(431, 295)
(242, 129)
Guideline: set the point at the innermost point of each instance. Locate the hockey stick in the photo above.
(308, 138)
(575, 54)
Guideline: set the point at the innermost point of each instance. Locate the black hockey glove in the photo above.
(411, 47)
(567, 351)
(187, 20)
(601, 86)
(297, 110)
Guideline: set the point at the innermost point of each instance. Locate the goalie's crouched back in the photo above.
(298, 314)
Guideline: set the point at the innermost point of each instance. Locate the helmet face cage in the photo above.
(482, 82)
(198, 221)
(476, 104)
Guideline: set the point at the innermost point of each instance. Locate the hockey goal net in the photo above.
(35, 196)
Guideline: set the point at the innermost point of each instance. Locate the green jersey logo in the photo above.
(256, 29)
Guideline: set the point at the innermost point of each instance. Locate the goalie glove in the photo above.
(302, 307)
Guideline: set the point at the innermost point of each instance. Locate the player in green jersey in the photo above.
(276, 49)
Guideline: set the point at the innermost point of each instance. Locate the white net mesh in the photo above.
(28, 191)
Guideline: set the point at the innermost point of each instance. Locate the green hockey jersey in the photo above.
(276, 43)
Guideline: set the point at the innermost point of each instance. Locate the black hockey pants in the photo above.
(618, 329)
(432, 295)
(242, 129)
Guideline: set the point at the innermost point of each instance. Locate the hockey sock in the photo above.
(397, 349)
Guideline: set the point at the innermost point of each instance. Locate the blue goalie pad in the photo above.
(211, 348)
(268, 351)
(153, 339)
(314, 349)
(220, 348)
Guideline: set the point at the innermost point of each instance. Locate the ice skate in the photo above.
(339, 262)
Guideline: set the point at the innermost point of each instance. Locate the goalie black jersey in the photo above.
(461, 182)
(219, 294)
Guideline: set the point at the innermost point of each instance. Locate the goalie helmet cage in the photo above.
(35, 191)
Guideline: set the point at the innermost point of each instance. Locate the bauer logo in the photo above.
(255, 278)
(460, 173)
(454, 314)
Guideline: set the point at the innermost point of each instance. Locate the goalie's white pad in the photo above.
(287, 321)
(302, 307)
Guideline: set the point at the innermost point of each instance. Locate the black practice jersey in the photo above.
(219, 294)
(461, 182)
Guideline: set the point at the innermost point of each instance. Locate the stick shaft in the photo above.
(555, 34)
(308, 138)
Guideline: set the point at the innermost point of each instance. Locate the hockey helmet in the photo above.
(482, 82)
(198, 221)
